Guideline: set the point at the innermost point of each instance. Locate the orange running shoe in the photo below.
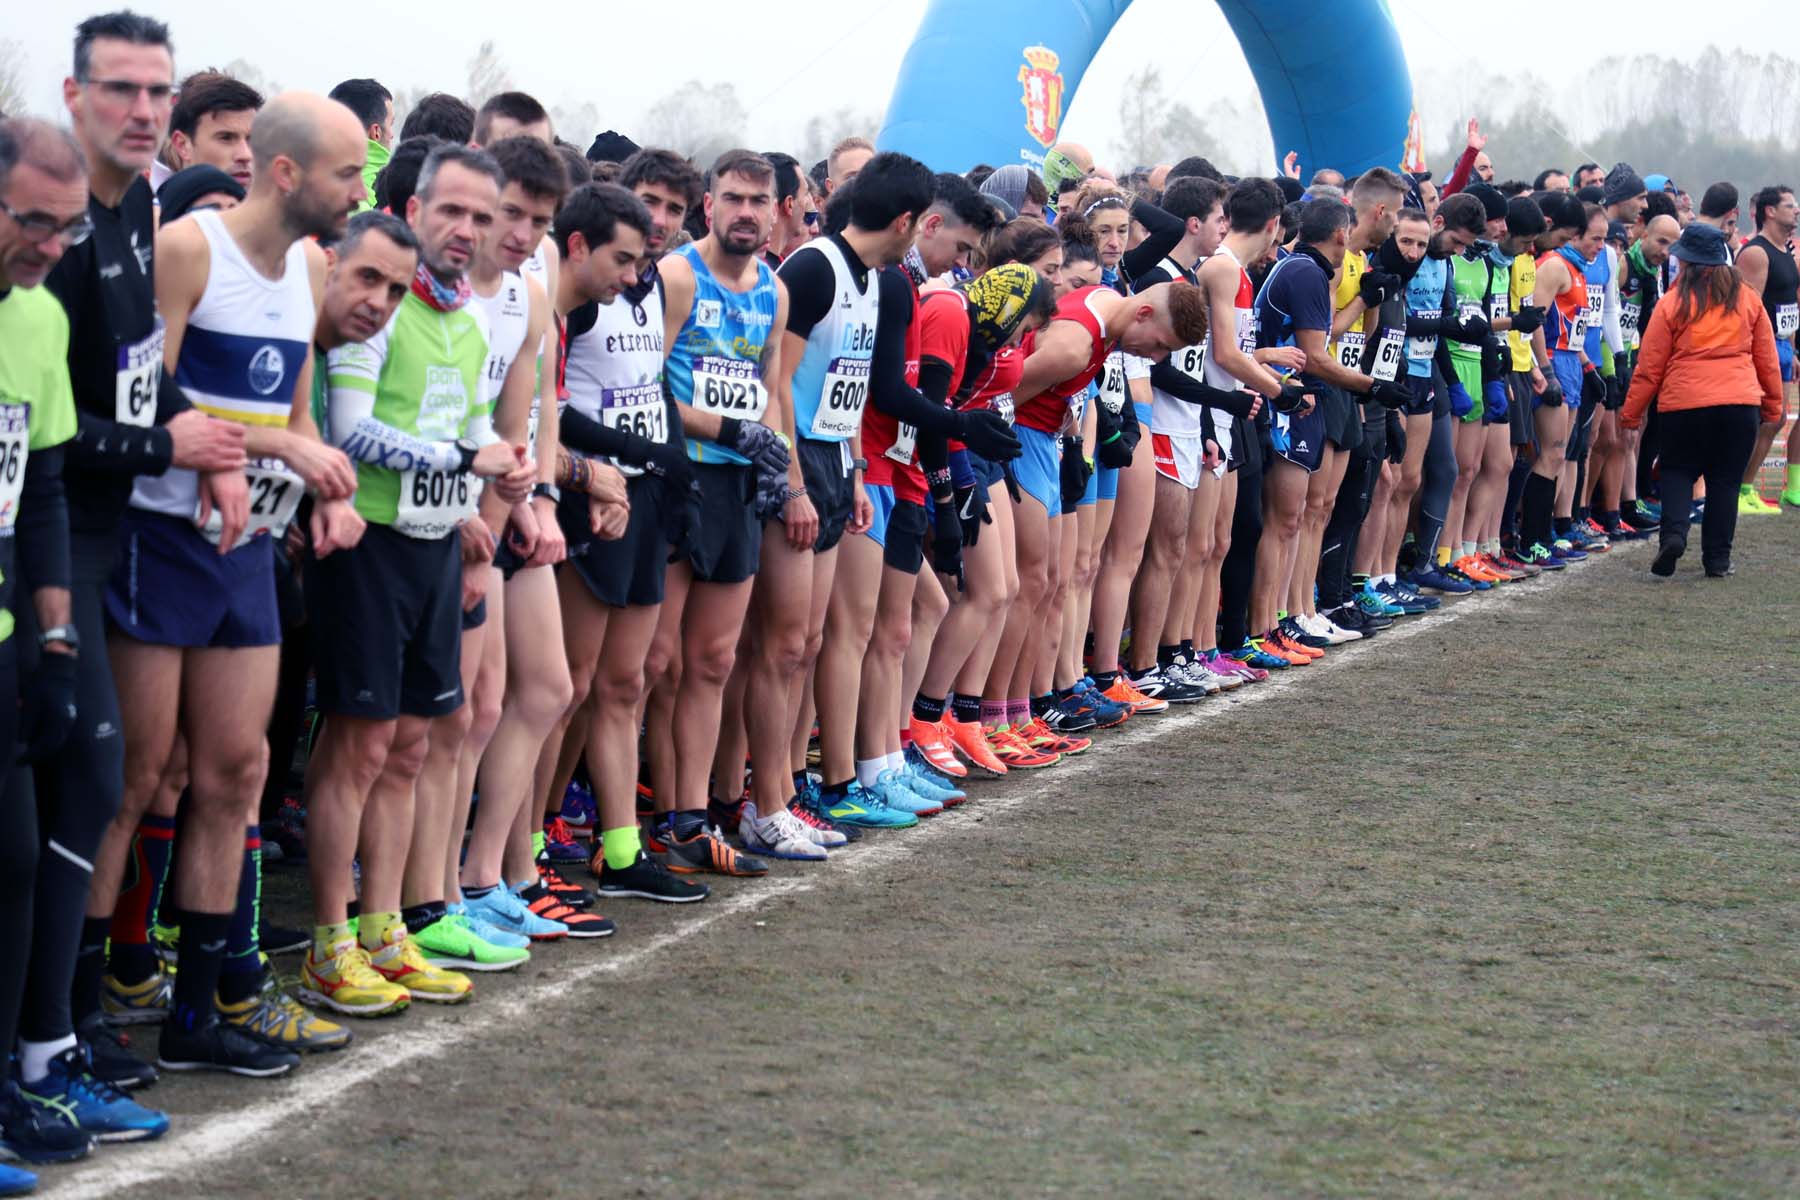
(1277, 643)
(1474, 568)
(933, 741)
(1122, 692)
(971, 742)
(1040, 737)
(1493, 564)
(1012, 750)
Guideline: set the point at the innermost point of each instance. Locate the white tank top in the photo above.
(831, 383)
(1171, 415)
(509, 317)
(614, 364)
(246, 343)
(537, 267)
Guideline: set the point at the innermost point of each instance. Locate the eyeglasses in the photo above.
(812, 218)
(41, 227)
(126, 92)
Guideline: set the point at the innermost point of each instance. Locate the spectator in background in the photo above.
(373, 105)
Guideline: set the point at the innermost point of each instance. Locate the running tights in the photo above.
(18, 849)
(1239, 568)
(1345, 526)
(1435, 488)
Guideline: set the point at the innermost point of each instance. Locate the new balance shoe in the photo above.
(782, 835)
(451, 942)
(110, 1056)
(647, 879)
(559, 843)
(143, 1003)
(705, 850)
(346, 983)
(864, 808)
(401, 962)
(970, 741)
(503, 909)
(71, 1091)
(892, 786)
(932, 740)
(581, 925)
(276, 1019)
(922, 782)
(216, 1046)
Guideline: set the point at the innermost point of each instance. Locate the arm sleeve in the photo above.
(1459, 178)
(1167, 378)
(354, 372)
(43, 523)
(1609, 310)
(103, 445)
(810, 290)
(581, 432)
(1166, 232)
(888, 389)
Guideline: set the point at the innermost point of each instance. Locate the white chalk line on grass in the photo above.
(322, 1081)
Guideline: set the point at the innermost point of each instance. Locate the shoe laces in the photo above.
(80, 1080)
(557, 830)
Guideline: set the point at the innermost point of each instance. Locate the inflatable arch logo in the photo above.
(1332, 76)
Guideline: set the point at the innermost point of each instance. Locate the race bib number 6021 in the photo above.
(730, 387)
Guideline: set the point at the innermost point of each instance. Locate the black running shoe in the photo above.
(1355, 620)
(113, 1062)
(1292, 629)
(278, 939)
(647, 879)
(1159, 684)
(216, 1046)
(29, 1134)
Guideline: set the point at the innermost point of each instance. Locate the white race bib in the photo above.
(1388, 353)
(1467, 309)
(1421, 346)
(138, 378)
(906, 441)
(1002, 404)
(1787, 320)
(1596, 301)
(1628, 320)
(275, 492)
(636, 409)
(15, 446)
(1191, 361)
(1112, 383)
(1350, 348)
(730, 387)
(1498, 307)
(432, 503)
(841, 399)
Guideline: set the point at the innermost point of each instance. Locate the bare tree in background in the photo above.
(245, 71)
(697, 120)
(576, 123)
(487, 75)
(825, 130)
(1153, 129)
(12, 77)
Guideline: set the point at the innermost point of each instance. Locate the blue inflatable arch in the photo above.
(991, 80)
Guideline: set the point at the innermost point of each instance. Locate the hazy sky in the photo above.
(621, 56)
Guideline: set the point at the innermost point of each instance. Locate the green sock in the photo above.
(326, 936)
(373, 928)
(1793, 479)
(620, 846)
(537, 843)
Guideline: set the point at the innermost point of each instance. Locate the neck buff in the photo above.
(1391, 260)
(440, 295)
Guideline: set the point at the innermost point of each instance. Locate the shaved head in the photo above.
(294, 124)
(1078, 154)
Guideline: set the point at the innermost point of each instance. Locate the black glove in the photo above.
(1390, 395)
(972, 511)
(1115, 454)
(1075, 474)
(1593, 388)
(1528, 319)
(1552, 393)
(947, 544)
(47, 706)
(986, 433)
(771, 493)
(1622, 372)
(1012, 483)
(667, 459)
(1471, 328)
(1292, 396)
(1396, 436)
(1377, 287)
(756, 442)
(681, 518)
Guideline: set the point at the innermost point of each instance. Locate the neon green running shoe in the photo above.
(450, 942)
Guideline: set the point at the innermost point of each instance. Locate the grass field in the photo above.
(1505, 903)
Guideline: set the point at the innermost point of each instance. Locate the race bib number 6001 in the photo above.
(841, 399)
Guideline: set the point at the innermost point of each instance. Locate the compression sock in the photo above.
(1534, 510)
(994, 713)
(620, 846)
(240, 975)
(419, 917)
(203, 939)
(968, 709)
(131, 958)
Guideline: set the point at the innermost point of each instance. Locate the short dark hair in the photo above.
(1543, 177)
(1193, 166)
(1719, 200)
(1585, 167)
(1290, 219)
(664, 168)
(835, 217)
(1079, 249)
(535, 167)
(397, 181)
(1523, 217)
(387, 225)
(1767, 198)
(1593, 193)
(1026, 239)
(209, 93)
(954, 195)
(1320, 219)
(748, 163)
(819, 172)
(1660, 204)
(364, 97)
(121, 26)
(1251, 203)
(1512, 187)
(1465, 212)
(595, 211)
(442, 115)
(1192, 196)
(514, 106)
(787, 174)
(479, 161)
(576, 167)
(1563, 211)
(892, 185)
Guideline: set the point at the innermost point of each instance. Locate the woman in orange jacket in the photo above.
(1709, 361)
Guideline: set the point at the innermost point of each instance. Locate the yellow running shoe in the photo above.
(347, 983)
(276, 1019)
(137, 1003)
(400, 961)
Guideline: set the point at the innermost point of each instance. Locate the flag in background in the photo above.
(1412, 158)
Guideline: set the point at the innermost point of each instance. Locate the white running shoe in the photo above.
(1319, 625)
(1195, 675)
(780, 836)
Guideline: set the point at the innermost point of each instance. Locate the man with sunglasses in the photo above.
(131, 422)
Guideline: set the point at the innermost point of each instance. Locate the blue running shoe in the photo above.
(488, 932)
(1439, 579)
(70, 1090)
(1566, 550)
(895, 789)
(559, 843)
(917, 762)
(1451, 573)
(1106, 713)
(1251, 654)
(504, 910)
(812, 800)
(16, 1181)
(1373, 604)
(865, 808)
(1411, 595)
(1409, 602)
(921, 783)
(579, 808)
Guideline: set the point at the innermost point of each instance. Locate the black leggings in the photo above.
(78, 794)
(289, 715)
(1238, 570)
(1438, 482)
(1714, 444)
(1361, 473)
(18, 848)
